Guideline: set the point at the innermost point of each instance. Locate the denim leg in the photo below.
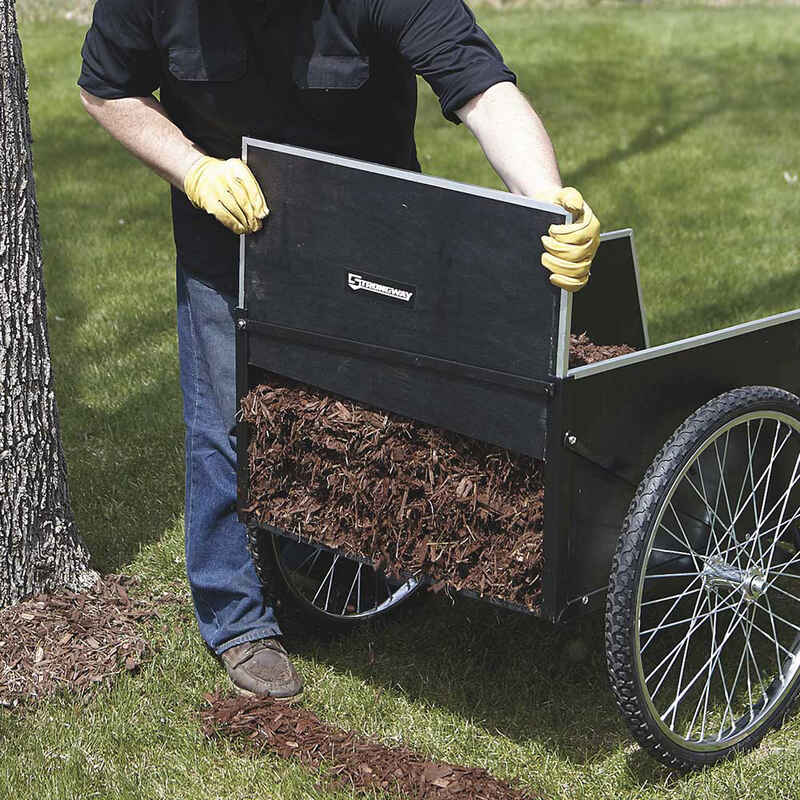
(228, 600)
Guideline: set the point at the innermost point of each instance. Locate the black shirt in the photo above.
(333, 75)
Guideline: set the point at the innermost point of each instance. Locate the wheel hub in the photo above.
(718, 574)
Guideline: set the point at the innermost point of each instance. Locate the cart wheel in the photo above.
(326, 586)
(703, 615)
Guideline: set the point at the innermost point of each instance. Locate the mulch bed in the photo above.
(72, 641)
(355, 763)
(407, 496)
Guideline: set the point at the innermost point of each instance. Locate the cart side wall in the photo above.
(614, 284)
(621, 417)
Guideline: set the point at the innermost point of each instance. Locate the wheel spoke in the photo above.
(670, 597)
(781, 573)
(680, 674)
(713, 511)
(661, 627)
(773, 615)
(749, 541)
(732, 626)
(784, 592)
(677, 647)
(352, 586)
(755, 485)
(768, 638)
(671, 552)
(689, 549)
(775, 635)
(779, 532)
(316, 556)
(330, 582)
(670, 575)
(358, 593)
(688, 544)
(676, 650)
(678, 598)
(755, 538)
(742, 661)
(721, 468)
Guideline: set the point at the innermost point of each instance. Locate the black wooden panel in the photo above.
(623, 416)
(608, 308)
(492, 413)
(480, 296)
(472, 349)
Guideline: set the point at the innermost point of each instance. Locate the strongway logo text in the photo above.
(357, 282)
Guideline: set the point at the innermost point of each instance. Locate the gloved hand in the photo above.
(569, 249)
(228, 191)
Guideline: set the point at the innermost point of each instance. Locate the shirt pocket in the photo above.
(331, 72)
(205, 65)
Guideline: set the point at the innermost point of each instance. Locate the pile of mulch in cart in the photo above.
(408, 496)
(72, 641)
(357, 764)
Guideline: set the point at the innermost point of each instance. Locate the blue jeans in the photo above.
(228, 600)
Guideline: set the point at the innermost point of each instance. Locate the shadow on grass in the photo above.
(114, 354)
(509, 674)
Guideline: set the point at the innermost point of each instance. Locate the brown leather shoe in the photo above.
(262, 668)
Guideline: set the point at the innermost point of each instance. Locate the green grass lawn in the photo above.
(678, 123)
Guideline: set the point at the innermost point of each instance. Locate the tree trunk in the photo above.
(40, 549)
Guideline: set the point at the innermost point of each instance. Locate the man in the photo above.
(334, 75)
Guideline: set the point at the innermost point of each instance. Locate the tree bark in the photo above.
(40, 549)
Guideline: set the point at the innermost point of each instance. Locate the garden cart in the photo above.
(670, 473)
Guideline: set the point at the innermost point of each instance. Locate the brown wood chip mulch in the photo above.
(355, 763)
(72, 641)
(410, 497)
(582, 351)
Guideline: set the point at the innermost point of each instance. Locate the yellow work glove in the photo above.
(228, 191)
(569, 249)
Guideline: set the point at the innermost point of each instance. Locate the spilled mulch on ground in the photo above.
(354, 763)
(408, 496)
(72, 641)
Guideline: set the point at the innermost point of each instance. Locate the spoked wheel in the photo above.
(329, 587)
(703, 616)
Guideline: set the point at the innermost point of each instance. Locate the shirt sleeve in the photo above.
(443, 43)
(120, 58)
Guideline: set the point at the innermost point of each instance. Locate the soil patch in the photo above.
(355, 763)
(72, 641)
(407, 496)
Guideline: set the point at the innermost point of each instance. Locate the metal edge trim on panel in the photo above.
(620, 234)
(241, 241)
(683, 344)
(564, 329)
(416, 177)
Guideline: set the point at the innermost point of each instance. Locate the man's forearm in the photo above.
(514, 140)
(141, 125)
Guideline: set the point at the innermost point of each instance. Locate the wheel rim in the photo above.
(717, 623)
(337, 587)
